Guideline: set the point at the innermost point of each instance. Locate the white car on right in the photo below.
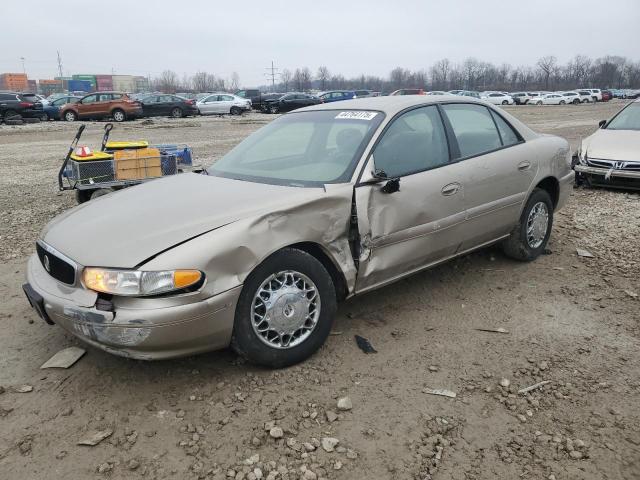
(549, 99)
(497, 98)
(572, 97)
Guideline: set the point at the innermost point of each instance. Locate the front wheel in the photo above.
(576, 101)
(285, 310)
(118, 115)
(70, 116)
(505, 102)
(176, 113)
(273, 109)
(235, 111)
(529, 237)
(562, 102)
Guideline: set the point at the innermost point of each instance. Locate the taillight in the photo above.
(26, 104)
(191, 102)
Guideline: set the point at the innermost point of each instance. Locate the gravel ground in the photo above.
(570, 321)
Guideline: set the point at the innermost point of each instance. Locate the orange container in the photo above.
(137, 164)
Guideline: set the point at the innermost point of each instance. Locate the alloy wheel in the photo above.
(537, 225)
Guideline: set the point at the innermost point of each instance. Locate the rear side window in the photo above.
(474, 129)
(414, 142)
(507, 134)
(7, 96)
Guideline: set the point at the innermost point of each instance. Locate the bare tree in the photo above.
(323, 76)
(203, 82)
(440, 74)
(167, 82)
(234, 83)
(547, 66)
(285, 79)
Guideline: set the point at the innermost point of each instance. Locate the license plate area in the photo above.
(37, 302)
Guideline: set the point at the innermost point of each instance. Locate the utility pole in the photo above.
(272, 75)
(23, 69)
(59, 65)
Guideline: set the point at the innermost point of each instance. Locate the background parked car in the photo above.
(549, 99)
(408, 91)
(52, 110)
(585, 96)
(172, 105)
(116, 105)
(596, 94)
(521, 98)
(336, 95)
(363, 93)
(223, 103)
(468, 93)
(498, 98)
(572, 97)
(632, 94)
(606, 95)
(20, 104)
(255, 95)
(290, 101)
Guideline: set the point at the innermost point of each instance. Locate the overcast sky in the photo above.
(349, 36)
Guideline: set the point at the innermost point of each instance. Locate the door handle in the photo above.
(450, 189)
(522, 166)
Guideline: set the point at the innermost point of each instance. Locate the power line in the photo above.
(59, 64)
(272, 75)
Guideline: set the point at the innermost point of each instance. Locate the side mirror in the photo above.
(392, 186)
(602, 123)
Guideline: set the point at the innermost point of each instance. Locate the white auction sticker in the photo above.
(357, 115)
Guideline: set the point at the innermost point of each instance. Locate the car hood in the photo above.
(622, 145)
(125, 228)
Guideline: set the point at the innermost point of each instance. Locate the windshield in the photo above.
(304, 148)
(627, 119)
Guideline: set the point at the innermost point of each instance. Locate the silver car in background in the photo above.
(611, 155)
(223, 103)
(321, 204)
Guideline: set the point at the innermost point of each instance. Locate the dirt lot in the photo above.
(571, 321)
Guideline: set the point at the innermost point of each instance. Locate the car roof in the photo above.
(392, 104)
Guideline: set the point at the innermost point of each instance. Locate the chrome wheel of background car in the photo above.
(119, 116)
(285, 309)
(70, 116)
(176, 113)
(537, 225)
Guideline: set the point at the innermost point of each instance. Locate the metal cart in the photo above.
(118, 165)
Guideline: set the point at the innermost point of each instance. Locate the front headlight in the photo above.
(136, 283)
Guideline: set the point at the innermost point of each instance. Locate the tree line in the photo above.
(472, 74)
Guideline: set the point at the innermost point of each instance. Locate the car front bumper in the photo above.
(606, 177)
(157, 331)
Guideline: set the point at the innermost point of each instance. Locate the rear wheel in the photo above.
(529, 237)
(83, 196)
(562, 102)
(70, 116)
(10, 113)
(118, 115)
(505, 102)
(176, 112)
(576, 101)
(285, 310)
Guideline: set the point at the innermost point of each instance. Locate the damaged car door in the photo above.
(409, 202)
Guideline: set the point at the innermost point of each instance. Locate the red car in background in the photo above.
(606, 95)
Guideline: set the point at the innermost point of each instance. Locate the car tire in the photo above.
(562, 102)
(177, 113)
(235, 111)
(538, 103)
(31, 120)
(287, 268)
(505, 102)
(69, 116)
(101, 192)
(44, 117)
(17, 121)
(576, 101)
(529, 237)
(83, 196)
(8, 114)
(273, 109)
(118, 115)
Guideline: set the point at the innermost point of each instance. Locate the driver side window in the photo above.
(414, 142)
